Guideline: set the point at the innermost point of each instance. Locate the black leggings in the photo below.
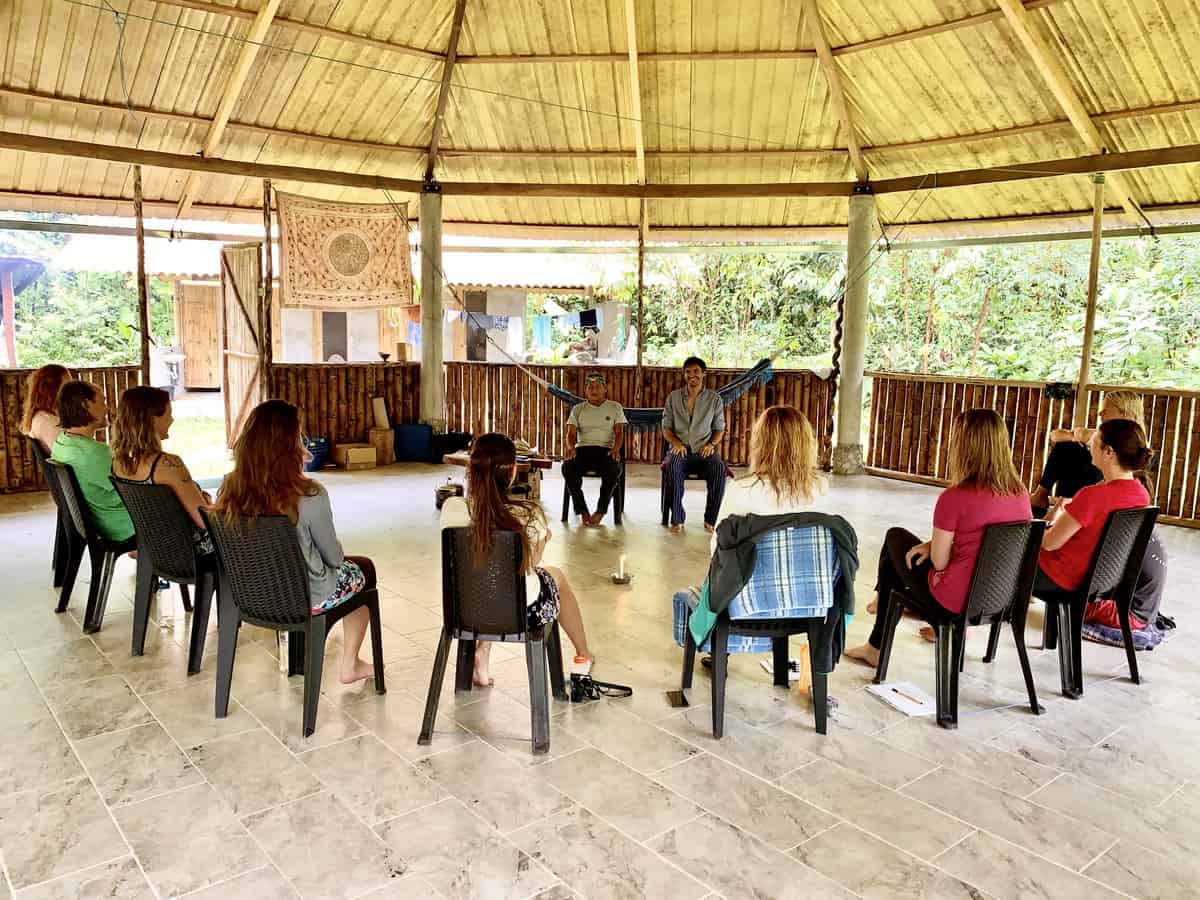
(894, 574)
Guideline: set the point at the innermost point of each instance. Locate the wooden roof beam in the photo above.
(837, 95)
(233, 90)
(439, 116)
(635, 91)
(1055, 76)
(1025, 171)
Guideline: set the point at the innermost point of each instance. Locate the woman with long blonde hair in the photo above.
(268, 480)
(40, 421)
(489, 507)
(985, 490)
(143, 421)
(784, 475)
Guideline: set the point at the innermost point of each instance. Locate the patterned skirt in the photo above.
(350, 580)
(545, 608)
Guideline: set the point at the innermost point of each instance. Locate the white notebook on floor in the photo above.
(905, 696)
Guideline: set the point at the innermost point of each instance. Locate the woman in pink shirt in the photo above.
(985, 490)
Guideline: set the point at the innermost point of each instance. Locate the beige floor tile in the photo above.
(137, 763)
(1143, 873)
(87, 708)
(761, 751)
(34, 753)
(282, 713)
(395, 718)
(624, 736)
(868, 756)
(1007, 872)
(60, 663)
(188, 714)
(507, 725)
(120, 878)
(252, 771)
(260, 884)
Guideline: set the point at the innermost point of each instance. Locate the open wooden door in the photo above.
(241, 290)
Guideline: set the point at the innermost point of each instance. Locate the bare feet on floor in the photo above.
(361, 672)
(594, 520)
(676, 529)
(709, 528)
(865, 654)
(482, 678)
(873, 606)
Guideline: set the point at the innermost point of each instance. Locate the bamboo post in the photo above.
(1089, 324)
(143, 286)
(641, 283)
(265, 338)
(432, 384)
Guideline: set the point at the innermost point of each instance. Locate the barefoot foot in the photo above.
(873, 606)
(361, 672)
(865, 654)
(928, 634)
(482, 678)
(676, 529)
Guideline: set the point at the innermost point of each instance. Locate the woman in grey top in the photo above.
(268, 480)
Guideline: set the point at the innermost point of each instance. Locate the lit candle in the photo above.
(621, 566)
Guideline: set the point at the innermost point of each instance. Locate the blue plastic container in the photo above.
(414, 443)
(318, 447)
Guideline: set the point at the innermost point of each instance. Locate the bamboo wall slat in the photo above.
(911, 415)
(482, 397)
(335, 400)
(18, 470)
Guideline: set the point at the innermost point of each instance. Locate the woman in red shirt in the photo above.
(985, 490)
(1119, 451)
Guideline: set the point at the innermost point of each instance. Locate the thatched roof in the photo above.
(540, 93)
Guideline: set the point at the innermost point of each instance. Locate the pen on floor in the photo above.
(906, 697)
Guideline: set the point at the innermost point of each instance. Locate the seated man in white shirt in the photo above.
(595, 435)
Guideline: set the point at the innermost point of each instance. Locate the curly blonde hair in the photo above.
(1126, 404)
(783, 454)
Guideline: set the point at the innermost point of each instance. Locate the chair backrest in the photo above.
(48, 473)
(261, 568)
(1005, 568)
(1118, 557)
(73, 499)
(485, 600)
(164, 530)
(795, 573)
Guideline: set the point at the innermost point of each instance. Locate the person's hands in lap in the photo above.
(917, 555)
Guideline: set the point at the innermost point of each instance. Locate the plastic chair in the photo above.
(263, 580)
(618, 497)
(103, 552)
(63, 530)
(166, 550)
(1000, 586)
(1112, 573)
(767, 598)
(487, 603)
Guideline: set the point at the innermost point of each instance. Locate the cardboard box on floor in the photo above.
(354, 456)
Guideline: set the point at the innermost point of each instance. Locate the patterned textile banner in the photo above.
(343, 255)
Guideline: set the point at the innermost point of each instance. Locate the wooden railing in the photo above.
(483, 397)
(18, 470)
(911, 417)
(335, 399)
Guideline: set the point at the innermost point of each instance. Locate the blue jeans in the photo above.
(676, 468)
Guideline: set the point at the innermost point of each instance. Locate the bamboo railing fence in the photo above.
(483, 397)
(18, 470)
(335, 399)
(911, 415)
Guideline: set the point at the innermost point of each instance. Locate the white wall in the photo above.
(297, 335)
(511, 303)
(362, 335)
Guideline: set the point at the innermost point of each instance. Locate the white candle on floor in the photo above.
(621, 566)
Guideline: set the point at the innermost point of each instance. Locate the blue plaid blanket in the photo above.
(795, 572)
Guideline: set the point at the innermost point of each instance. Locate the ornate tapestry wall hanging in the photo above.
(343, 255)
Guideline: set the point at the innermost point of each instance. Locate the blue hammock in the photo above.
(645, 420)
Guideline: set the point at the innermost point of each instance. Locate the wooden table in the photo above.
(529, 469)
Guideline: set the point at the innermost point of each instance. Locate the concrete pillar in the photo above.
(848, 452)
(433, 384)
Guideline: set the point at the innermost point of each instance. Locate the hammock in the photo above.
(647, 420)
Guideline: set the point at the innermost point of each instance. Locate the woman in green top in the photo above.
(81, 413)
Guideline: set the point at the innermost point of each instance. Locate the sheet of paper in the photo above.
(906, 697)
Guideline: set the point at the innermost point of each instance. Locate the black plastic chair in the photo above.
(263, 580)
(1000, 586)
(618, 497)
(692, 473)
(487, 603)
(1112, 573)
(63, 530)
(166, 550)
(102, 551)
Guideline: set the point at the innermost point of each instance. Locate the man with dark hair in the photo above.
(595, 435)
(693, 425)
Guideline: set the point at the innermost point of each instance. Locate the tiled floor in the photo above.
(116, 780)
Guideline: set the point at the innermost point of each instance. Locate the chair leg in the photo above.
(186, 597)
(1127, 634)
(960, 650)
(944, 671)
(93, 616)
(820, 685)
(296, 652)
(895, 609)
(558, 686)
(993, 641)
(959, 635)
(1076, 637)
(1018, 629)
(566, 511)
(377, 645)
(314, 663)
(720, 669)
(75, 549)
(435, 688)
(1066, 666)
(228, 622)
(689, 655)
(142, 594)
(61, 549)
(539, 698)
(664, 499)
(205, 585)
(464, 666)
(779, 660)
